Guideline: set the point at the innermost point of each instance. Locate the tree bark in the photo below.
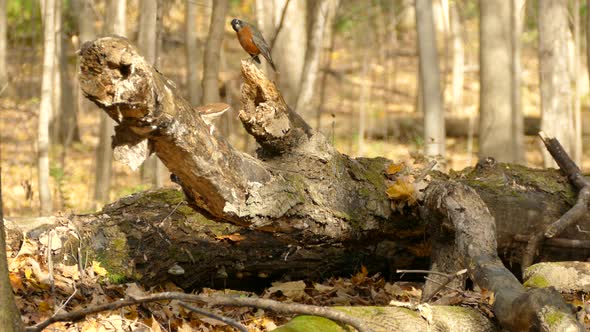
(577, 68)
(302, 191)
(68, 127)
(516, 19)
(291, 40)
(556, 94)
(10, 319)
(304, 105)
(46, 108)
(148, 41)
(115, 24)
(192, 52)
(3, 46)
(458, 59)
(496, 137)
(434, 130)
(213, 52)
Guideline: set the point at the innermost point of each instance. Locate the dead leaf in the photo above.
(361, 276)
(394, 168)
(16, 281)
(70, 271)
(133, 291)
(235, 237)
(155, 325)
(403, 190)
(322, 288)
(101, 271)
(294, 290)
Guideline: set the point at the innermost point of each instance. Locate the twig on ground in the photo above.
(291, 308)
(220, 318)
(444, 284)
(425, 271)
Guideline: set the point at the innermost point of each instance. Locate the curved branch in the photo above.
(475, 242)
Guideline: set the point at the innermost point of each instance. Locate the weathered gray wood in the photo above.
(298, 192)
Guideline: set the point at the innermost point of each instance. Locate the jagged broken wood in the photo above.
(300, 189)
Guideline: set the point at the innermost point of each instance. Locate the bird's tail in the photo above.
(269, 60)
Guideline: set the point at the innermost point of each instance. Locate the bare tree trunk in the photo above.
(362, 115)
(56, 88)
(213, 51)
(192, 52)
(68, 130)
(495, 131)
(556, 118)
(86, 28)
(3, 47)
(329, 36)
(434, 129)
(577, 69)
(46, 108)
(291, 40)
(458, 59)
(115, 24)
(320, 10)
(10, 319)
(516, 19)
(148, 42)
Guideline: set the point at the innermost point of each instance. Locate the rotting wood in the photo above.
(299, 188)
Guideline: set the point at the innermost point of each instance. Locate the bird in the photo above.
(211, 112)
(252, 41)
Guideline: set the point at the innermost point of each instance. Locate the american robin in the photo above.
(252, 41)
(211, 112)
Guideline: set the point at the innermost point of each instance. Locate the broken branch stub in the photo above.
(147, 106)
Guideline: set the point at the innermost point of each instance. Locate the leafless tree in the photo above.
(434, 122)
(458, 59)
(3, 46)
(556, 119)
(516, 26)
(291, 39)
(495, 133)
(577, 68)
(192, 52)
(9, 314)
(309, 76)
(46, 107)
(115, 24)
(148, 42)
(212, 52)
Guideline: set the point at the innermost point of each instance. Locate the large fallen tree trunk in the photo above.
(300, 189)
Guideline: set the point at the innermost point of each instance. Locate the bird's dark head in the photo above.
(237, 24)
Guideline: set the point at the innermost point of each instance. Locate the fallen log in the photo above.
(300, 191)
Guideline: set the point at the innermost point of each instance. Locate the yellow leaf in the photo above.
(28, 272)
(360, 276)
(402, 190)
(16, 281)
(235, 237)
(393, 168)
(155, 325)
(101, 271)
(44, 306)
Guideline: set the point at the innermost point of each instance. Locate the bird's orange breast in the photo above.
(245, 38)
